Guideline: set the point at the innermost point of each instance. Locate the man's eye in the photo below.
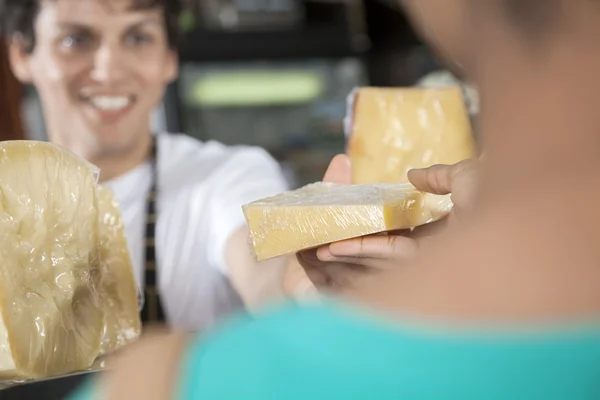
(136, 39)
(75, 40)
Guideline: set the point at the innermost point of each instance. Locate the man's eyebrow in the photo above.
(84, 27)
(74, 25)
(148, 21)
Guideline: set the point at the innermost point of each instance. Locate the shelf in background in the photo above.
(325, 32)
(203, 46)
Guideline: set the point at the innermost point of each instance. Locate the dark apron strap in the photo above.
(153, 311)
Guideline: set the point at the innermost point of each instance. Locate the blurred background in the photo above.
(272, 73)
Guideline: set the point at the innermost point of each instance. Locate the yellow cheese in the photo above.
(392, 130)
(118, 289)
(51, 319)
(323, 213)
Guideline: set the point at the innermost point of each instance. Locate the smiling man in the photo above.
(101, 67)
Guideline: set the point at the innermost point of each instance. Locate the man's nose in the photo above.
(108, 64)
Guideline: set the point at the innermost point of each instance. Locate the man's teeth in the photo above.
(110, 103)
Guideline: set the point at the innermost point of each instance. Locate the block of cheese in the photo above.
(322, 213)
(392, 130)
(119, 292)
(50, 315)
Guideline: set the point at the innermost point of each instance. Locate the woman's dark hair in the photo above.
(17, 17)
(533, 16)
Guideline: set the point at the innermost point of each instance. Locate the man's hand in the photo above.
(343, 264)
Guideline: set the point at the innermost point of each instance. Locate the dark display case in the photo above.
(47, 389)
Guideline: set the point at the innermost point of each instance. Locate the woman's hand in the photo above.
(342, 265)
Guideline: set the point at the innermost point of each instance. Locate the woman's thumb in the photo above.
(437, 179)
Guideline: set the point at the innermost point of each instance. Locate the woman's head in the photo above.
(100, 66)
(464, 31)
(444, 25)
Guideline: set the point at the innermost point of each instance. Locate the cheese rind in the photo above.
(118, 290)
(323, 213)
(49, 263)
(392, 130)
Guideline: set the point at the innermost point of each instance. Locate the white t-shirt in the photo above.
(201, 188)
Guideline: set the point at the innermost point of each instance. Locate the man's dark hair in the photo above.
(17, 17)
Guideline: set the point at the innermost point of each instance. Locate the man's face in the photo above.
(100, 69)
(444, 24)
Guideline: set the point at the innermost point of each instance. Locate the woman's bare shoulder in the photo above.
(148, 369)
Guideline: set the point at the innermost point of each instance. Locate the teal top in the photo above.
(331, 352)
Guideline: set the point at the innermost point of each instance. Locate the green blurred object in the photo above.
(256, 88)
(187, 21)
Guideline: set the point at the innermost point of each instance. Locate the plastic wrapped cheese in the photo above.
(67, 291)
(323, 213)
(392, 130)
(444, 78)
(119, 292)
(51, 318)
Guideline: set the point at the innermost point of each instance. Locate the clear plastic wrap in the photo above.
(322, 213)
(392, 130)
(53, 280)
(119, 292)
(442, 79)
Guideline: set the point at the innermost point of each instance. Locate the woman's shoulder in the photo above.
(295, 352)
(339, 352)
(333, 351)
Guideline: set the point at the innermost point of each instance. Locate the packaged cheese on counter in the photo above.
(392, 130)
(49, 263)
(322, 213)
(60, 308)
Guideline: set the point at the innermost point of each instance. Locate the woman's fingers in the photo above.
(296, 282)
(312, 267)
(431, 229)
(346, 275)
(386, 247)
(342, 264)
(366, 264)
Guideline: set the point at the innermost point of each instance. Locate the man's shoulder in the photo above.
(184, 160)
(179, 148)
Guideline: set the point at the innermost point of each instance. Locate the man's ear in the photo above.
(19, 59)
(172, 66)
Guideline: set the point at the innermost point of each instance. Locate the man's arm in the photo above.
(249, 175)
(265, 282)
(258, 283)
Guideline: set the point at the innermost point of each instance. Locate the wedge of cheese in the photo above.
(323, 213)
(119, 293)
(50, 314)
(392, 130)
